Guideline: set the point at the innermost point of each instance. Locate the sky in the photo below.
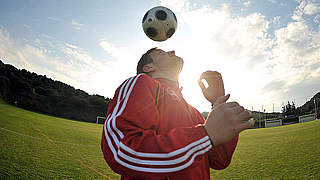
(268, 52)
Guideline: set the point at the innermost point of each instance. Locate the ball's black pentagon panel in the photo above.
(161, 15)
(152, 32)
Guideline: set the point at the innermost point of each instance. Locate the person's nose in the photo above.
(172, 53)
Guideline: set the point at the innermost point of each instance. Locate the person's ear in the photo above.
(148, 68)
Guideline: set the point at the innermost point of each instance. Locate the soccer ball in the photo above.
(159, 23)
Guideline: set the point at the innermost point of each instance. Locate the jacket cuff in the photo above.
(208, 136)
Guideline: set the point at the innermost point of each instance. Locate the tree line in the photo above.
(311, 106)
(42, 94)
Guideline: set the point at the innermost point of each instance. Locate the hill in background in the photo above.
(41, 94)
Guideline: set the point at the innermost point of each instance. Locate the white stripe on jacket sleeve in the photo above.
(191, 150)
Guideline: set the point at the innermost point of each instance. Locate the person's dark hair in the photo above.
(145, 59)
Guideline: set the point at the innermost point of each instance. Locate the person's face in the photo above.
(166, 61)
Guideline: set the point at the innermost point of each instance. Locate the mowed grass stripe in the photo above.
(285, 152)
(46, 147)
(37, 146)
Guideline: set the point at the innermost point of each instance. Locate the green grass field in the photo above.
(36, 146)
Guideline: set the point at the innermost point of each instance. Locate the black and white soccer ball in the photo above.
(159, 23)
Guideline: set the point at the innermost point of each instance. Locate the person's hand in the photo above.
(227, 120)
(215, 87)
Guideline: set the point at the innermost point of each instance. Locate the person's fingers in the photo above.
(213, 78)
(203, 88)
(210, 74)
(221, 99)
(237, 109)
(213, 74)
(204, 74)
(246, 125)
(232, 104)
(243, 116)
(201, 76)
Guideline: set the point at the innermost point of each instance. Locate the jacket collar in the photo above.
(172, 84)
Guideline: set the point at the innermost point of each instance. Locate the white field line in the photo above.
(43, 139)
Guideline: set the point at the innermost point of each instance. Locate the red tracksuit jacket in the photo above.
(152, 133)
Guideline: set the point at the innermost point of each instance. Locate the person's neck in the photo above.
(170, 78)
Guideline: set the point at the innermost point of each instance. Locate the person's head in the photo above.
(156, 62)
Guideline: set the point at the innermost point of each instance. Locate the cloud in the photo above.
(122, 58)
(8, 52)
(27, 26)
(117, 52)
(306, 7)
(297, 15)
(236, 46)
(73, 53)
(121, 65)
(295, 60)
(71, 46)
(311, 8)
(232, 37)
(176, 5)
(297, 47)
(76, 25)
(273, 1)
(316, 19)
(299, 93)
(54, 19)
(276, 20)
(47, 36)
(275, 85)
(258, 67)
(247, 4)
(72, 65)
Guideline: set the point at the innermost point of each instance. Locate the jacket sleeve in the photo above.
(220, 156)
(131, 143)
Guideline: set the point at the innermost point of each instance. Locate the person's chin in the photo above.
(178, 60)
(179, 66)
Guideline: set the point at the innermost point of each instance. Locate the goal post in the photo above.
(100, 119)
(308, 117)
(273, 123)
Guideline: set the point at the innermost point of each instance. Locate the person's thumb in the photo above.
(221, 99)
(247, 125)
(203, 88)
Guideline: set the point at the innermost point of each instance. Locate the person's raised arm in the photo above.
(224, 122)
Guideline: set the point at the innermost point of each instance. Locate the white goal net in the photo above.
(306, 118)
(273, 123)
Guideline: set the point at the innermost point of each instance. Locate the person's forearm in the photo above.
(220, 156)
(146, 153)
